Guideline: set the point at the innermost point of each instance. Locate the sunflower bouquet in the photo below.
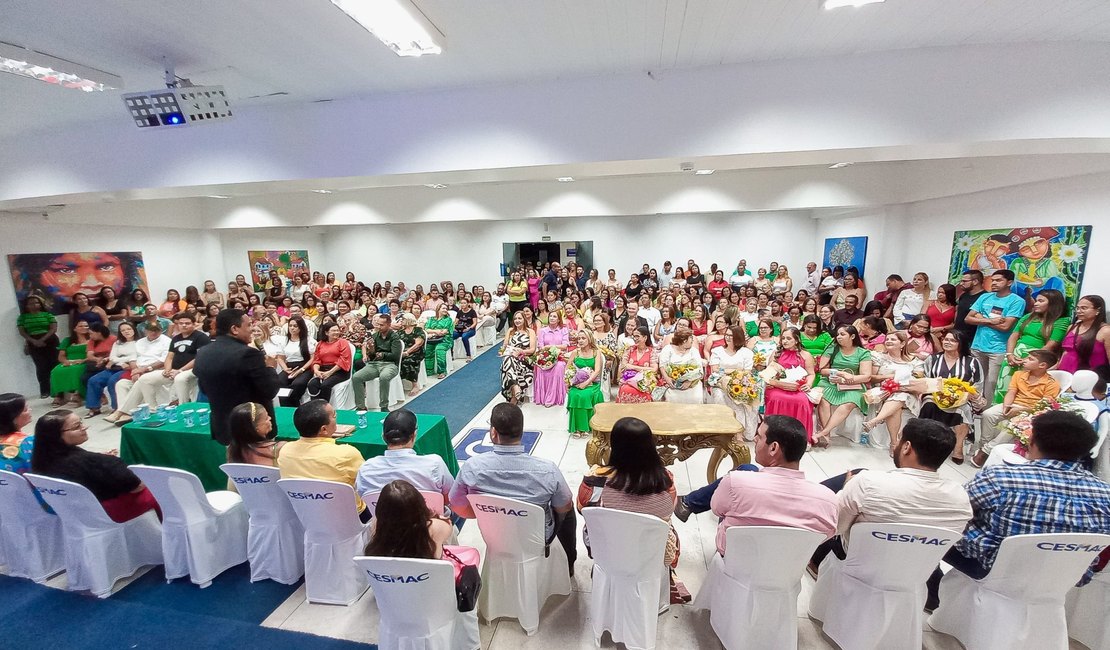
(683, 374)
(546, 357)
(741, 387)
(759, 360)
(953, 393)
(648, 382)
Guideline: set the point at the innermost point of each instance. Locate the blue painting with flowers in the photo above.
(846, 252)
(1041, 257)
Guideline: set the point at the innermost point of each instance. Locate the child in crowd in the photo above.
(1029, 385)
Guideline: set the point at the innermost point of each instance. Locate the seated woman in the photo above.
(638, 370)
(466, 325)
(784, 396)
(331, 363)
(412, 353)
(635, 480)
(954, 360)
(716, 338)
(584, 391)
(921, 342)
(172, 304)
(250, 426)
(873, 332)
(211, 296)
(732, 357)
(122, 354)
(15, 446)
(114, 307)
(57, 454)
(439, 343)
(765, 344)
(911, 302)
(404, 527)
(65, 378)
(550, 384)
(516, 366)
(844, 368)
(84, 311)
(487, 314)
(681, 369)
(310, 309)
(294, 361)
(896, 362)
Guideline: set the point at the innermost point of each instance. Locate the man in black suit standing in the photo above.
(230, 372)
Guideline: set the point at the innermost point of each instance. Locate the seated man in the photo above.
(912, 494)
(425, 472)
(509, 472)
(316, 454)
(778, 494)
(1052, 493)
(381, 351)
(151, 350)
(177, 372)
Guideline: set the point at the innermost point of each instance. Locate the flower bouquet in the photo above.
(741, 387)
(952, 394)
(546, 357)
(1020, 425)
(684, 374)
(609, 353)
(759, 360)
(880, 393)
(575, 376)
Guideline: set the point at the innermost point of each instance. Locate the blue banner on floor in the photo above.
(476, 441)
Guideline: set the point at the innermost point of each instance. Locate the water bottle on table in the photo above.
(362, 419)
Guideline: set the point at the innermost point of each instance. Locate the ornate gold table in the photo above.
(679, 429)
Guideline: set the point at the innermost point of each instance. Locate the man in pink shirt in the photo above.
(778, 494)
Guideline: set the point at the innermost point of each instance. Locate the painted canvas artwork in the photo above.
(846, 251)
(286, 263)
(1042, 257)
(56, 277)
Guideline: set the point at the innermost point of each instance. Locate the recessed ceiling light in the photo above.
(703, 172)
(52, 70)
(435, 186)
(565, 179)
(836, 4)
(216, 196)
(840, 165)
(398, 23)
(323, 191)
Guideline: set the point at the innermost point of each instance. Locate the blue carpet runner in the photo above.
(464, 392)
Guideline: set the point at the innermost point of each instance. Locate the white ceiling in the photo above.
(311, 51)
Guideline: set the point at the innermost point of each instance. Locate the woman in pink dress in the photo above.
(784, 397)
(638, 359)
(533, 287)
(550, 388)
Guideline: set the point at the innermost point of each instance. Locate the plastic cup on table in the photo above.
(171, 414)
(362, 419)
(144, 412)
(137, 415)
(203, 417)
(188, 416)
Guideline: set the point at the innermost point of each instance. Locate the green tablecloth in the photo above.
(194, 450)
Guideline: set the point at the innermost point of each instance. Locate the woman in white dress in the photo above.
(681, 352)
(895, 362)
(734, 355)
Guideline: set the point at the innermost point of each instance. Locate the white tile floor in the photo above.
(563, 623)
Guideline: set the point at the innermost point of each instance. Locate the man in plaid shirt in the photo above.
(1052, 493)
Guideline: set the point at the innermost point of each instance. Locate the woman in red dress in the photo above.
(637, 360)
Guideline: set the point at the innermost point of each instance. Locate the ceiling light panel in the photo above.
(837, 4)
(397, 23)
(43, 67)
(565, 179)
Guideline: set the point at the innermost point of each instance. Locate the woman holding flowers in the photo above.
(961, 374)
(583, 383)
(550, 388)
(787, 394)
(638, 369)
(844, 367)
(764, 344)
(681, 369)
(516, 366)
(731, 381)
(895, 367)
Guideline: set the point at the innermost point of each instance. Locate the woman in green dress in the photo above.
(583, 395)
(1044, 327)
(844, 368)
(412, 354)
(814, 339)
(65, 378)
(439, 341)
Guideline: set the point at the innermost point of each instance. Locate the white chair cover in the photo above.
(752, 594)
(397, 388)
(874, 598)
(457, 350)
(487, 335)
(275, 538)
(1086, 609)
(1020, 604)
(516, 577)
(30, 538)
(1062, 377)
(852, 427)
(416, 603)
(631, 585)
(98, 551)
(1004, 455)
(1100, 453)
(332, 536)
(203, 535)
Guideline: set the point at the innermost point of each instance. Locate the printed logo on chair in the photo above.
(477, 441)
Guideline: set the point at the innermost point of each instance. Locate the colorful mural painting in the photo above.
(56, 277)
(286, 263)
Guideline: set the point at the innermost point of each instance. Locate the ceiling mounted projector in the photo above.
(180, 103)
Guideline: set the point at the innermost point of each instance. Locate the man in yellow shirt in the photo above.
(316, 455)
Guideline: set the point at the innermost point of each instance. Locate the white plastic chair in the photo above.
(203, 535)
(1098, 452)
(434, 500)
(874, 598)
(1086, 609)
(752, 594)
(486, 336)
(1062, 377)
(516, 577)
(397, 388)
(275, 538)
(332, 536)
(98, 551)
(631, 585)
(1020, 604)
(30, 537)
(416, 604)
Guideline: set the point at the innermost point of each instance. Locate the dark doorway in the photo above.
(539, 253)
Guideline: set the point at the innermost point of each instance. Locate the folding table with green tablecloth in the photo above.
(193, 449)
